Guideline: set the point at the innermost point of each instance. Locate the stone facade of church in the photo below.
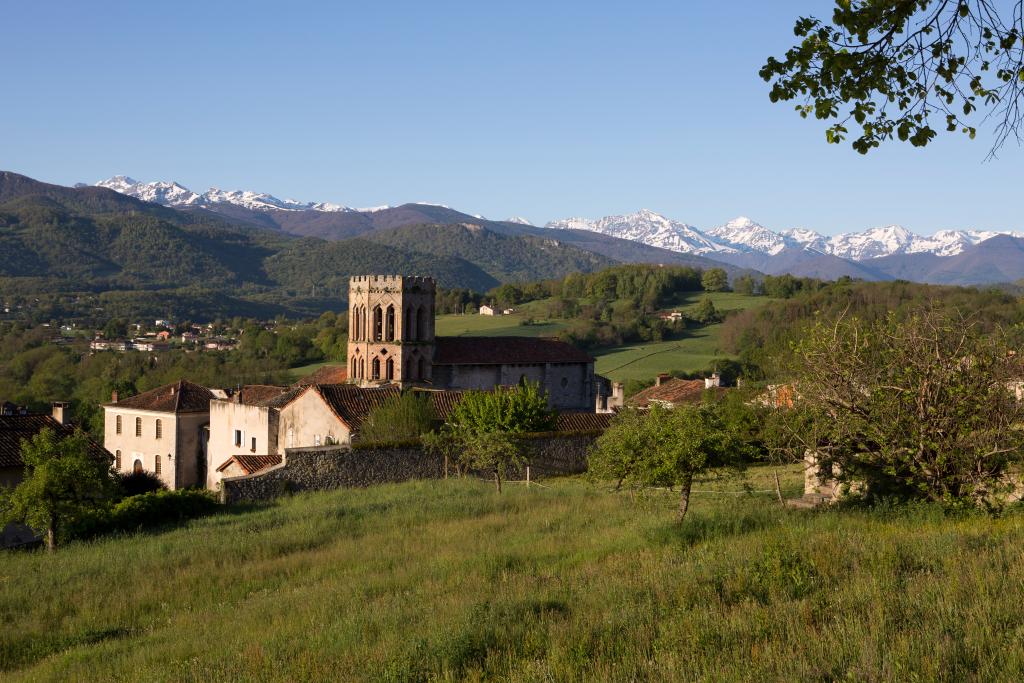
(392, 341)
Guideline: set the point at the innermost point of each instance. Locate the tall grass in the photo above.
(450, 581)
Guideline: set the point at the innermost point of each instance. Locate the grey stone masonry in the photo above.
(330, 467)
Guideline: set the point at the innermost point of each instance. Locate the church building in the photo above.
(392, 341)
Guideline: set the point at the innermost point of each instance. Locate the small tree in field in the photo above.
(485, 428)
(63, 478)
(668, 447)
(494, 451)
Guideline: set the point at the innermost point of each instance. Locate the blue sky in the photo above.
(539, 109)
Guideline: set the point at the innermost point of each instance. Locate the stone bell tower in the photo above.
(390, 329)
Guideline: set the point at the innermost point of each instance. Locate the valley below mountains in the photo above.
(158, 249)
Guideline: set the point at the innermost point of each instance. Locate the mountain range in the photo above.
(880, 253)
(95, 249)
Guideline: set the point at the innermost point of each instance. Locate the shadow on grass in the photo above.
(26, 649)
(700, 528)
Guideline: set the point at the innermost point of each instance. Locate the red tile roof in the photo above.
(328, 374)
(259, 394)
(444, 401)
(14, 428)
(352, 404)
(250, 464)
(570, 423)
(505, 350)
(181, 397)
(674, 391)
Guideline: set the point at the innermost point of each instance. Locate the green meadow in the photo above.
(448, 580)
(697, 350)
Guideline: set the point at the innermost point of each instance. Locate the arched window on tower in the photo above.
(375, 369)
(421, 369)
(378, 323)
(407, 333)
(407, 367)
(420, 335)
(389, 369)
(352, 371)
(362, 368)
(389, 324)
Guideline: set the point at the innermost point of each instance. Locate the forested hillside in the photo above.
(763, 337)
(98, 243)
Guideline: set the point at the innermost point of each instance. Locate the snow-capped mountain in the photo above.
(806, 239)
(649, 228)
(741, 241)
(173, 194)
(873, 243)
(746, 235)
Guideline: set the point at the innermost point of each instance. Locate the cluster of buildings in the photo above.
(190, 435)
(162, 339)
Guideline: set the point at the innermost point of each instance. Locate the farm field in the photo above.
(452, 581)
(698, 350)
(474, 325)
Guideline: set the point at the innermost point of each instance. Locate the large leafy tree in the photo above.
(919, 407)
(906, 69)
(669, 447)
(63, 479)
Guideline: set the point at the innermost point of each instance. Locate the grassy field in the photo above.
(474, 325)
(697, 351)
(295, 374)
(451, 581)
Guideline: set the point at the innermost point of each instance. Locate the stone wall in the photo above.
(330, 467)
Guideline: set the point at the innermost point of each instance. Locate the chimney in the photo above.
(113, 396)
(61, 412)
(662, 378)
(713, 381)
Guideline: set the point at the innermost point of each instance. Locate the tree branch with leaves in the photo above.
(905, 69)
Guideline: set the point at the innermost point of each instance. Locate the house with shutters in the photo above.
(162, 431)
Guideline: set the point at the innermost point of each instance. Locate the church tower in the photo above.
(390, 329)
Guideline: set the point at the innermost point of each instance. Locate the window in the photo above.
(138, 426)
(316, 439)
(421, 372)
(253, 449)
(420, 335)
(159, 429)
(137, 466)
(389, 324)
(117, 422)
(238, 437)
(156, 464)
(376, 370)
(407, 333)
(117, 460)
(378, 323)
(389, 369)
